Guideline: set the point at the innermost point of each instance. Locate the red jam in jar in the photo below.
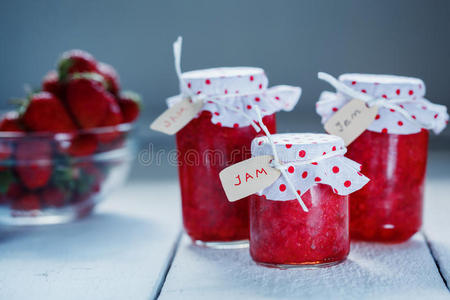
(389, 207)
(392, 151)
(283, 235)
(205, 149)
(283, 232)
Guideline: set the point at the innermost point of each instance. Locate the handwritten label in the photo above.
(351, 121)
(248, 177)
(177, 116)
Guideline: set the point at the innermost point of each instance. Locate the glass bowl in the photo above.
(55, 178)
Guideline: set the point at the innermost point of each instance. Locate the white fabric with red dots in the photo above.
(231, 93)
(308, 159)
(239, 87)
(406, 92)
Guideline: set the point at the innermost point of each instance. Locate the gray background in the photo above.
(291, 40)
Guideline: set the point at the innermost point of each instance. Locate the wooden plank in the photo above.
(437, 224)
(373, 271)
(120, 252)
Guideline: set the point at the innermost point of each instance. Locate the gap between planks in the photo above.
(436, 261)
(165, 271)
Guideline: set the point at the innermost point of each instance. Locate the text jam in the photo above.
(342, 125)
(247, 176)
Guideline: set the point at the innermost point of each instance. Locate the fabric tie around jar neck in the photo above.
(231, 93)
(305, 160)
(403, 110)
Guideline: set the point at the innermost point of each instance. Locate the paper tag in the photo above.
(177, 116)
(351, 121)
(248, 177)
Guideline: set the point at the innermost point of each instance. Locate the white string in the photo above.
(177, 49)
(276, 161)
(371, 101)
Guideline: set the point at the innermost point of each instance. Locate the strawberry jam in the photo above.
(205, 149)
(283, 235)
(389, 207)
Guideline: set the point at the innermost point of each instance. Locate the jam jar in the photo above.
(281, 233)
(219, 136)
(393, 154)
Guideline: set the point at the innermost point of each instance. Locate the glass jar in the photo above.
(205, 149)
(393, 152)
(282, 235)
(396, 165)
(220, 135)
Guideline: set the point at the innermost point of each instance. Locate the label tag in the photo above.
(177, 116)
(248, 177)
(351, 121)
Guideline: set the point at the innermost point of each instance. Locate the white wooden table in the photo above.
(132, 249)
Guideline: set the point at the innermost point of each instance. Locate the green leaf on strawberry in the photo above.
(6, 179)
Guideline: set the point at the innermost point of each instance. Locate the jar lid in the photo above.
(402, 108)
(298, 146)
(239, 88)
(231, 93)
(385, 86)
(223, 81)
(309, 159)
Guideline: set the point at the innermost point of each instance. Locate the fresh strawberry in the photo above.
(27, 202)
(11, 122)
(130, 104)
(113, 118)
(51, 84)
(111, 77)
(34, 165)
(88, 99)
(15, 190)
(45, 112)
(82, 145)
(53, 196)
(75, 61)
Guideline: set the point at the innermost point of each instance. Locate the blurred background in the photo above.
(292, 40)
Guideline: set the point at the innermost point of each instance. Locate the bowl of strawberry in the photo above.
(66, 146)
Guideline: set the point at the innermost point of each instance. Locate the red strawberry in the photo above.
(75, 61)
(88, 99)
(111, 77)
(51, 84)
(14, 190)
(82, 145)
(27, 202)
(45, 112)
(113, 118)
(53, 196)
(130, 104)
(11, 122)
(33, 163)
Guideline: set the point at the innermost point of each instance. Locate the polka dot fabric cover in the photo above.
(389, 87)
(238, 87)
(341, 173)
